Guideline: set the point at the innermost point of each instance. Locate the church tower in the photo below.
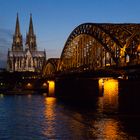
(17, 38)
(27, 58)
(31, 37)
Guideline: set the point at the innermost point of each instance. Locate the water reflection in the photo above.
(50, 117)
(45, 94)
(60, 123)
(1, 95)
(110, 129)
(108, 91)
(29, 96)
(39, 117)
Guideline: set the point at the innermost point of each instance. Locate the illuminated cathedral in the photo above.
(26, 58)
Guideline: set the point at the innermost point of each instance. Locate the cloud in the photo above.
(5, 43)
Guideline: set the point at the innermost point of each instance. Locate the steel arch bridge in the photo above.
(92, 46)
(50, 67)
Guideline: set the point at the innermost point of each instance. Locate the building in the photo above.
(26, 58)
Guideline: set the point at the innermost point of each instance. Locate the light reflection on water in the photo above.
(1, 95)
(107, 103)
(40, 117)
(49, 113)
(108, 90)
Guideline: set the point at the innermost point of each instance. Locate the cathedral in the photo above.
(26, 58)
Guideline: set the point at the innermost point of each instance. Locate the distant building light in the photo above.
(1, 84)
(29, 85)
(107, 64)
(44, 94)
(44, 84)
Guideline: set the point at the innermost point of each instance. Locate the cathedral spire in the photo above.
(17, 38)
(30, 37)
(17, 28)
(31, 29)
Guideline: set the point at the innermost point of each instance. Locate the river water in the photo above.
(115, 115)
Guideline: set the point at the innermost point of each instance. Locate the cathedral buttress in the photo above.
(17, 38)
(31, 37)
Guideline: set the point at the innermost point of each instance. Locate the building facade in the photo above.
(26, 58)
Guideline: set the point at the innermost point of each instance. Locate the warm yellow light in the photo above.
(108, 64)
(51, 88)
(110, 130)
(101, 84)
(138, 49)
(50, 101)
(111, 87)
(29, 85)
(108, 89)
(44, 84)
(50, 114)
(101, 81)
(122, 52)
(44, 94)
(111, 93)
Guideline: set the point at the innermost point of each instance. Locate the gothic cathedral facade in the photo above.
(25, 59)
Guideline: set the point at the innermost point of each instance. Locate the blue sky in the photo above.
(54, 20)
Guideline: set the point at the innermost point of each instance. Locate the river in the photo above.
(115, 115)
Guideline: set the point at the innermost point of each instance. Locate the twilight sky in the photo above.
(54, 20)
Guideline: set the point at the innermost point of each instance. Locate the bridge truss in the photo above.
(93, 46)
(50, 67)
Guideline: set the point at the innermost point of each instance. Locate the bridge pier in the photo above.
(76, 89)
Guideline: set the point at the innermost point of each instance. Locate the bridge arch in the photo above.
(96, 45)
(50, 67)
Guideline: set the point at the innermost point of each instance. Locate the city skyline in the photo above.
(54, 20)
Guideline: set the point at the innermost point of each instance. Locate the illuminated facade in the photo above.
(28, 58)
